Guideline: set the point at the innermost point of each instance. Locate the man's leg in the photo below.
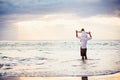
(86, 57)
(82, 53)
(82, 57)
(86, 53)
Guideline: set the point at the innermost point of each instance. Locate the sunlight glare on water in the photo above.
(58, 58)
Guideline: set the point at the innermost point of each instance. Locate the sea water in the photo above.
(58, 58)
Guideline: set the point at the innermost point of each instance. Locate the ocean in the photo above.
(58, 58)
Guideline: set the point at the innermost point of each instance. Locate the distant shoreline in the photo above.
(52, 40)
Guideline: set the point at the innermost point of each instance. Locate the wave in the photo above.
(58, 58)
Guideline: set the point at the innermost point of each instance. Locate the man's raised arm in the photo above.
(90, 34)
(76, 33)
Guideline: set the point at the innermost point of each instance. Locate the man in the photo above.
(83, 38)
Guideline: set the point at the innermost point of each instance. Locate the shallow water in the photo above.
(58, 58)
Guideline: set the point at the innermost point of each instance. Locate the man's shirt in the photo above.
(83, 39)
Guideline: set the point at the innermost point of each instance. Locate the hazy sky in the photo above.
(58, 19)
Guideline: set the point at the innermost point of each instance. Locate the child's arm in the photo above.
(87, 32)
(90, 34)
(76, 33)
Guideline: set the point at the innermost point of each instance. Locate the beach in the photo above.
(103, 77)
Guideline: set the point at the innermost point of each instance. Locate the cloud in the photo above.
(117, 13)
(8, 32)
(81, 7)
(61, 26)
(13, 11)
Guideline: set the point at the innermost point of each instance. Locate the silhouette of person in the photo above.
(83, 39)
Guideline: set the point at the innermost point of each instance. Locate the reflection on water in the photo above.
(58, 58)
(84, 78)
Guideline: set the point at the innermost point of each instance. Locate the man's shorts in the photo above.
(83, 51)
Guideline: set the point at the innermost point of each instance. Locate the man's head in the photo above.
(84, 34)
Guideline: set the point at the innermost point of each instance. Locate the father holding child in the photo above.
(83, 39)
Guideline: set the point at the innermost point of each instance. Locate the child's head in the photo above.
(82, 29)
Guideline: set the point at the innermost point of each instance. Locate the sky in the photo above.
(58, 19)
